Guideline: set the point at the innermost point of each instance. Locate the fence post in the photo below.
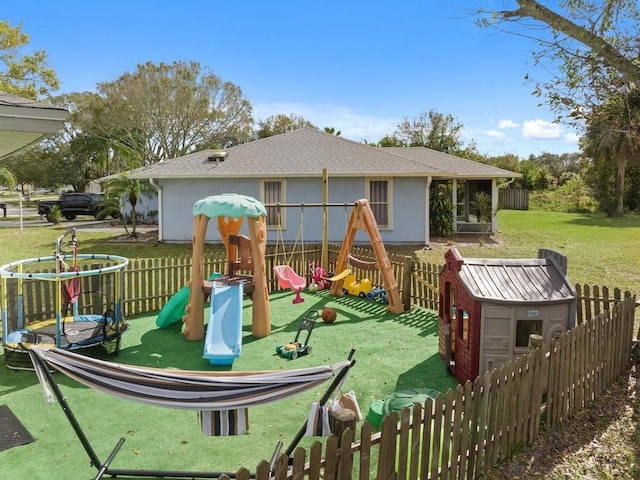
(535, 341)
(409, 266)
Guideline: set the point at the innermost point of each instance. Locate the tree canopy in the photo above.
(169, 110)
(26, 75)
(281, 123)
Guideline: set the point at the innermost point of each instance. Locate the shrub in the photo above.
(54, 215)
(441, 215)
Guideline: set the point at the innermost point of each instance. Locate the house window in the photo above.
(273, 191)
(379, 192)
(524, 328)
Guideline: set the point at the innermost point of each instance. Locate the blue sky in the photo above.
(358, 66)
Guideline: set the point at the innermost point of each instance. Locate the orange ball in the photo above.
(329, 315)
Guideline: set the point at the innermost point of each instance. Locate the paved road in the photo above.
(28, 213)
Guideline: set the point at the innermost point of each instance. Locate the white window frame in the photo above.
(389, 201)
(283, 199)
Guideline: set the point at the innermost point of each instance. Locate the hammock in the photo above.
(180, 389)
(185, 389)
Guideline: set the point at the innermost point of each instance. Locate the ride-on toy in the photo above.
(296, 348)
(378, 293)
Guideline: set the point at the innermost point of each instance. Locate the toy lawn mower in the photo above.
(296, 348)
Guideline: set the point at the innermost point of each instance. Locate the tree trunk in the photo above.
(622, 165)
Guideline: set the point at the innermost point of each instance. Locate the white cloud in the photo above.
(508, 124)
(354, 126)
(572, 138)
(496, 135)
(541, 130)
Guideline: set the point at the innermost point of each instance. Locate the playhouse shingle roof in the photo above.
(306, 152)
(516, 281)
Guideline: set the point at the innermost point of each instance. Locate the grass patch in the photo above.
(600, 250)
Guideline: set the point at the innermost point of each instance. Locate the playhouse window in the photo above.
(462, 325)
(524, 328)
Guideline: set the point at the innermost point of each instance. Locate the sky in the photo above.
(361, 67)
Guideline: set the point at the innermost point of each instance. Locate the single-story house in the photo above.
(24, 121)
(307, 169)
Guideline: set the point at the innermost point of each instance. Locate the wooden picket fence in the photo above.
(471, 429)
(150, 283)
(460, 434)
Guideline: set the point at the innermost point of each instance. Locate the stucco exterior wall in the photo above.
(178, 197)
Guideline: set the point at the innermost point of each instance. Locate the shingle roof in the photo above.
(306, 152)
(509, 281)
(464, 168)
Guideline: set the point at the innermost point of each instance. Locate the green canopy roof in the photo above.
(229, 205)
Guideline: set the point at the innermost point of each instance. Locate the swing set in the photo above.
(361, 218)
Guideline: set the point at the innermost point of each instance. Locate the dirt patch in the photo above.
(142, 236)
(466, 240)
(598, 442)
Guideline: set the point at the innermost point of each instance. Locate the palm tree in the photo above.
(121, 189)
(612, 135)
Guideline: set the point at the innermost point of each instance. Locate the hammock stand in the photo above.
(104, 468)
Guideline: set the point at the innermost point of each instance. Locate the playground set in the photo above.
(42, 319)
(246, 274)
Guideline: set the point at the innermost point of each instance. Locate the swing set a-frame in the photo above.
(362, 218)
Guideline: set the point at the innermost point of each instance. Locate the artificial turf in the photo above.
(393, 353)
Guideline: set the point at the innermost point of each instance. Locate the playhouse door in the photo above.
(496, 336)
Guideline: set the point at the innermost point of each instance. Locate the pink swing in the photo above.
(287, 277)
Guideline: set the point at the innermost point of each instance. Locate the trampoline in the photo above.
(36, 303)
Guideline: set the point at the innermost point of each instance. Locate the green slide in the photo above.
(175, 308)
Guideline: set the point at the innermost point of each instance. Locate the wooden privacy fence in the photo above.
(471, 429)
(513, 198)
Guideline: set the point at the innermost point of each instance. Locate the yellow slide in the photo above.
(339, 276)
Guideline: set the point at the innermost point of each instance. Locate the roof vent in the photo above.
(217, 156)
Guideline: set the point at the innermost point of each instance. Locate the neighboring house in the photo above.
(288, 169)
(24, 121)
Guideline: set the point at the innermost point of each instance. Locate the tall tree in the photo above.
(608, 138)
(168, 110)
(29, 166)
(332, 131)
(26, 75)
(76, 154)
(432, 130)
(281, 123)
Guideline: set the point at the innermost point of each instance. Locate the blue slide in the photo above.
(223, 342)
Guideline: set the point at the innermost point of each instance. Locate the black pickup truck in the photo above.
(73, 204)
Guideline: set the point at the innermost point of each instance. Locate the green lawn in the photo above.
(600, 250)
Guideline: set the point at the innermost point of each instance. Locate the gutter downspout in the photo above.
(495, 199)
(158, 190)
(427, 216)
